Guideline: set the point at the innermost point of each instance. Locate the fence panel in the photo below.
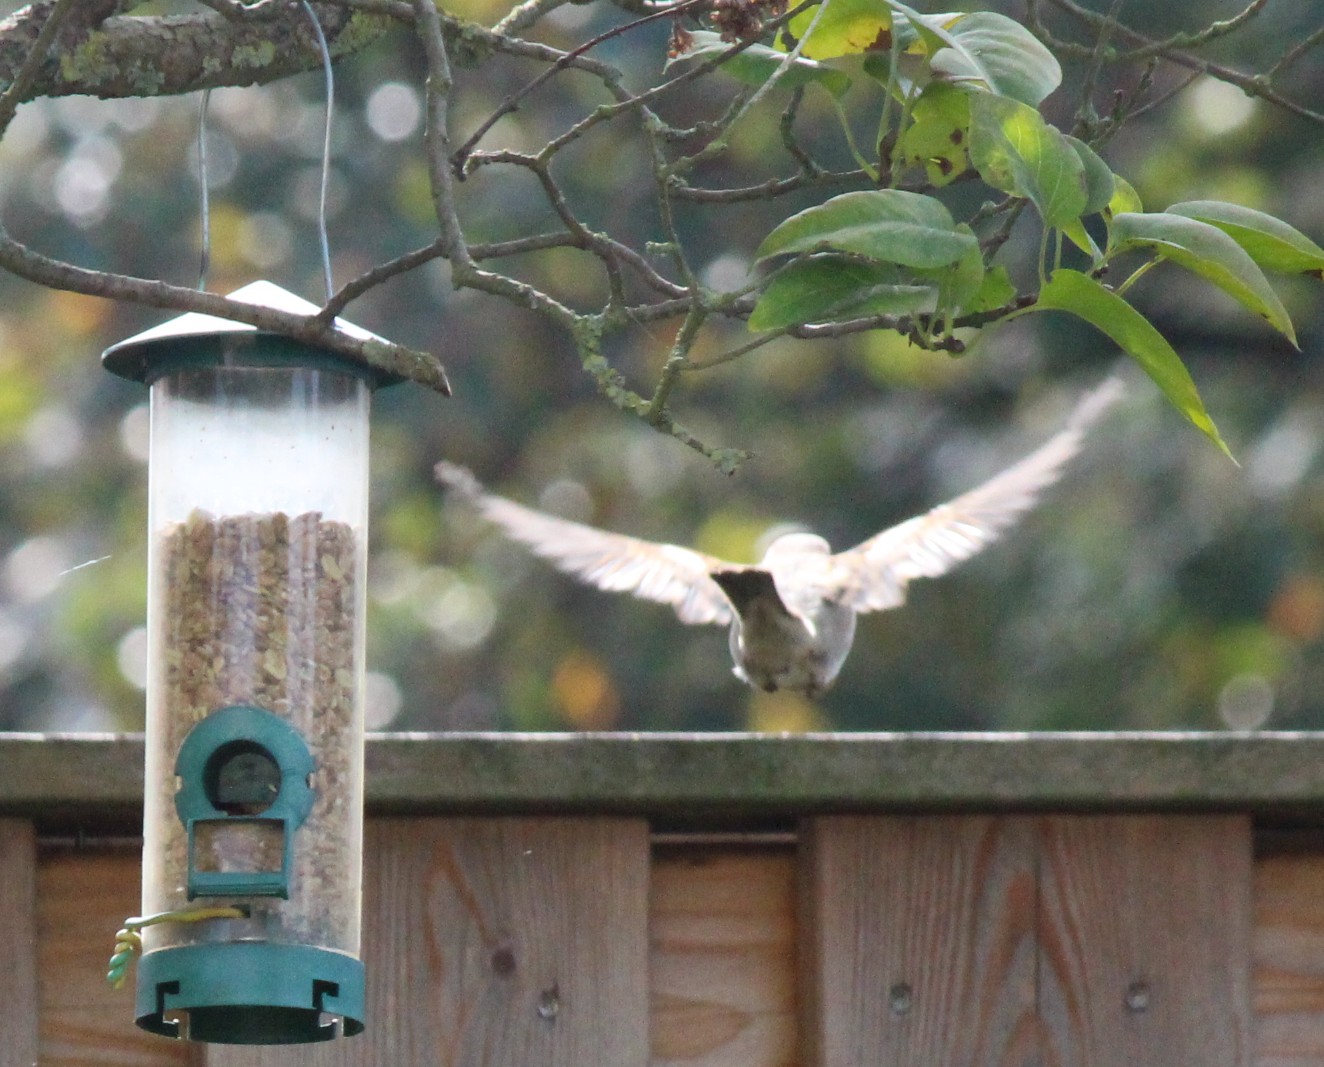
(918, 937)
(723, 958)
(1144, 939)
(496, 942)
(18, 942)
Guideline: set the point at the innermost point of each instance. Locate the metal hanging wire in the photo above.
(205, 265)
(323, 240)
(326, 149)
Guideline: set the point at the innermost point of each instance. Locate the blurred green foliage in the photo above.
(1158, 586)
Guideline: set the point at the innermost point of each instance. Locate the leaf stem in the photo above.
(860, 161)
(1136, 275)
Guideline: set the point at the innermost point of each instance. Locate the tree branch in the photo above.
(393, 359)
(157, 56)
(21, 83)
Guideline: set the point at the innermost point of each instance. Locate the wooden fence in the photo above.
(736, 901)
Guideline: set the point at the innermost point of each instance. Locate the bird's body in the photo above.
(792, 616)
(790, 632)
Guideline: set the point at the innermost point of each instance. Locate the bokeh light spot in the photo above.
(1218, 107)
(131, 657)
(53, 436)
(1246, 701)
(463, 616)
(34, 569)
(783, 712)
(135, 432)
(382, 700)
(393, 111)
(588, 698)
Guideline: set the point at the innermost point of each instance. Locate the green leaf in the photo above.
(828, 287)
(1270, 242)
(1207, 251)
(845, 28)
(1069, 290)
(1016, 151)
(937, 136)
(890, 225)
(1124, 199)
(1076, 233)
(995, 291)
(1099, 183)
(959, 282)
(992, 52)
(757, 63)
(1100, 188)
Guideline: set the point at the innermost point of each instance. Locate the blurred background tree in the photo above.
(1158, 586)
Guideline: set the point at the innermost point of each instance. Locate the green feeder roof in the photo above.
(195, 339)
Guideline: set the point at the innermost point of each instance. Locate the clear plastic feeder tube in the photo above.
(258, 503)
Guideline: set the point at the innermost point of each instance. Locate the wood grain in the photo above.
(918, 941)
(1144, 939)
(1288, 957)
(722, 958)
(18, 938)
(82, 899)
(497, 943)
(1017, 938)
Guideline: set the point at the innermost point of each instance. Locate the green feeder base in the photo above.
(250, 993)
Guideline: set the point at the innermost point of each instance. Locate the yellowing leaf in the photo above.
(844, 28)
(938, 135)
(1124, 199)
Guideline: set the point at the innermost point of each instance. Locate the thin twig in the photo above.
(463, 269)
(637, 102)
(718, 144)
(1125, 112)
(768, 190)
(1254, 85)
(733, 354)
(1212, 32)
(382, 272)
(786, 127)
(1294, 54)
(511, 103)
(522, 16)
(1086, 115)
(676, 362)
(606, 248)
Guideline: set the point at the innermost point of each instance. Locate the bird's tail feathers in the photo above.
(744, 586)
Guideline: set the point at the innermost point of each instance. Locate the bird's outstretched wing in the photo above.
(873, 575)
(667, 574)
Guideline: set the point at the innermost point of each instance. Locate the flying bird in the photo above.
(792, 615)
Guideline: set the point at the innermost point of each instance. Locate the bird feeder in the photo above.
(253, 808)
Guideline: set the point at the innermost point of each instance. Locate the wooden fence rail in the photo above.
(641, 907)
